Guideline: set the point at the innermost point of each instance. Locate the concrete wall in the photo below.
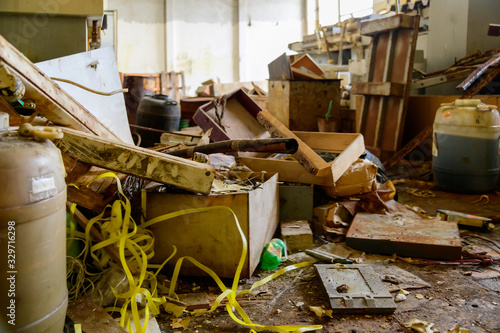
(456, 29)
(230, 40)
(141, 35)
(43, 37)
(269, 27)
(481, 14)
(202, 40)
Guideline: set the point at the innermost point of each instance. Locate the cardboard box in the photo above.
(298, 104)
(212, 237)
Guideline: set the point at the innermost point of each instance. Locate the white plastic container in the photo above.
(465, 146)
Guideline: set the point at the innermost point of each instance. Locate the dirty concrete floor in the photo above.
(454, 297)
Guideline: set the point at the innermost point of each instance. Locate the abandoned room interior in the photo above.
(249, 166)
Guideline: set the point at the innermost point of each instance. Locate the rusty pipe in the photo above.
(275, 145)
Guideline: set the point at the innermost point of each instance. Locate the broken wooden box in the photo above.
(298, 103)
(212, 237)
(348, 146)
(232, 116)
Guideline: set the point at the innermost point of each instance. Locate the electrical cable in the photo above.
(89, 89)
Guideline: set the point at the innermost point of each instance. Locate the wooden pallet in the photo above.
(383, 109)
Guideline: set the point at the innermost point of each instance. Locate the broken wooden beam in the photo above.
(396, 158)
(141, 162)
(377, 26)
(439, 79)
(50, 99)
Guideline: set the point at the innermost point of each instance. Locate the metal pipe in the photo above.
(276, 145)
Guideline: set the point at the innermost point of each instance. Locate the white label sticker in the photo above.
(42, 185)
(42, 188)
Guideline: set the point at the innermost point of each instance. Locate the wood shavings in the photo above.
(181, 323)
(320, 312)
(420, 326)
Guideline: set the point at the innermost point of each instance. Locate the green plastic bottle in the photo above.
(272, 254)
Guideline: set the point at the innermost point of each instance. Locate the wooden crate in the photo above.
(297, 104)
(211, 237)
(234, 117)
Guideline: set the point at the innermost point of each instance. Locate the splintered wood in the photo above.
(132, 160)
(386, 92)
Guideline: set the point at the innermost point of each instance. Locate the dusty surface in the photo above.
(468, 296)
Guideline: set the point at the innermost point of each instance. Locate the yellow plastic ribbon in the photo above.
(135, 245)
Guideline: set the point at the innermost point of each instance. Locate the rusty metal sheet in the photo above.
(405, 236)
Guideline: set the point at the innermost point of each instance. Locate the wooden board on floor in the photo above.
(141, 162)
(392, 52)
(51, 100)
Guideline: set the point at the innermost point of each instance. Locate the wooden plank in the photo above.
(132, 160)
(374, 27)
(263, 218)
(311, 161)
(408, 148)
(301, 74)
(87, 198)
(51, 100)
(391, 61)
(378, 89)
(307, 62)
(279, 68)
(5, 107)
(439, 79)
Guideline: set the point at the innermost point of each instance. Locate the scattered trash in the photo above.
(320, 312)
(420, 326)
(458, 329)
(400, 297)
(181, 322)
(466, 220)
(343, 288)
(390, 279)
(482, 198)
(272, 255)
(467, 273)
(419, 296)
(173, 306)
(421, 193)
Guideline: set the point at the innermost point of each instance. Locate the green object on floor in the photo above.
(273, 252)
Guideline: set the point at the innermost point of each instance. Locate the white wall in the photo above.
(141, 35)
(201, 40)
(269, 27)
(232, 40)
